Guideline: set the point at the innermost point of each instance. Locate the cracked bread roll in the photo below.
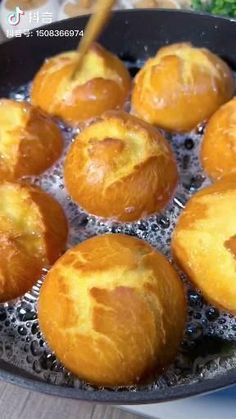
(33, 234)
(113, 309)
(159, 4)
(30, 142)
(101, 84)
(181, 87)
(218, 150)
(204, 242)
(120, 167)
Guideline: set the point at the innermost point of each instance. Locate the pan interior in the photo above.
(209, 346)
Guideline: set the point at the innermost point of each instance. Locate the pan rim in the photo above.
(168, 394)
(129, 12)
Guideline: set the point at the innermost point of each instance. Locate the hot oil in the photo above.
(209, 345)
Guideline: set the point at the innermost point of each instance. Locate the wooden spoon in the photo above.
(94, 28)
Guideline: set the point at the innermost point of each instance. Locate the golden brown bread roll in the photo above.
(33, 233)
(218, 151)
(204, 242)
(113, 310)
(30, 142)
(120, 167)
(77, 8)
(101, 84)
(159, 4)
(181, 86)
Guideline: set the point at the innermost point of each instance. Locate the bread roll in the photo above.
(159, 4)
(113, 310)
(218, 151)
(101, 84)
(181, 86)
(121, 168)
(33, 233)
(30, 142)
(204, 243)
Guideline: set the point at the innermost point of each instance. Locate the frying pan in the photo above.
(133, 35)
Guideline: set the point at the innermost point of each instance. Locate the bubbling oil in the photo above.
(209, 345)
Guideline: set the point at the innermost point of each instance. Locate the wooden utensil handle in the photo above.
(93, 29)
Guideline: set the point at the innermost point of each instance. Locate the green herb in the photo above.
(217, 7)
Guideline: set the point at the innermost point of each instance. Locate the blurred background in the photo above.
(36, 13)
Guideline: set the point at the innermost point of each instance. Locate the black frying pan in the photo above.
(132, 35)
